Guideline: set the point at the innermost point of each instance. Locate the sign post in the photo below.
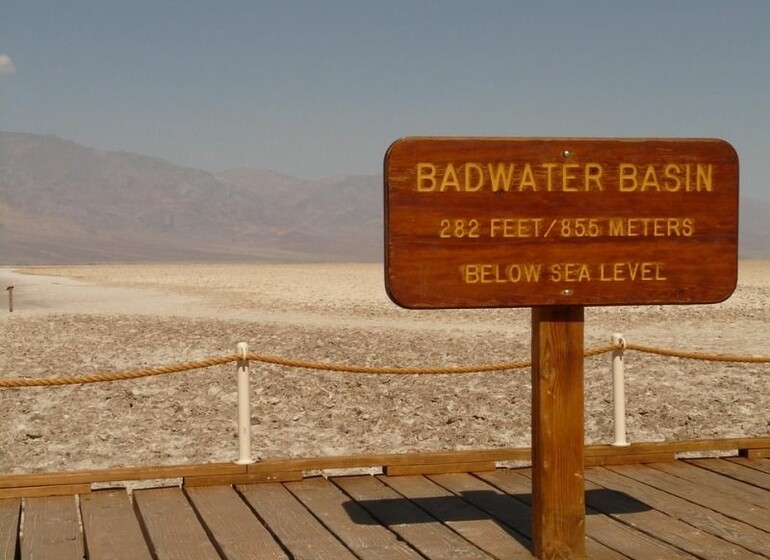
(557, 224)
(558, 489)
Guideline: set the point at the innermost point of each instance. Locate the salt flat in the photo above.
(84, 319)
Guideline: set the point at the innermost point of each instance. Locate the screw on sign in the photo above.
(557, 224)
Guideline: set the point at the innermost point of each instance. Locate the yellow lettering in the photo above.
(480, 273)
(549, 167)
(633, 271)
(704, 177)
(650, 179)
(617, 227)
(567, 176)
(515, 227)
(627, 177)
(501, 176)
(527, 178)
(688, 227)
(523, 272)
(470, 170)
(593, 176)
(450, 179)
(569, 272)
(426, 173)
(672, 182)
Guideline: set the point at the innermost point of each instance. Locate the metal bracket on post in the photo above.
(244, 407)
(619, 391)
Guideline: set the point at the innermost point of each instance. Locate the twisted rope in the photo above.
(117, 375)
(344, 368)
(703, 356)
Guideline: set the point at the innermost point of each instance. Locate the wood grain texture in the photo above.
(402, 470)
(102, 512)
(231, 523)
(413, 524)
(558, 508)
(43, 491)
(40, 484)
(10, 510)
(728, 499)
(300, 532)
(518, 485)
(675, 520)
(350, 522)
(465, 518)
(51, 529)
(171, 525)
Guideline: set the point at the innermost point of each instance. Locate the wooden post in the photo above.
(558, 490)
(10, 298)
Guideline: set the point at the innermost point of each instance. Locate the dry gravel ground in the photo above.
(86, 319)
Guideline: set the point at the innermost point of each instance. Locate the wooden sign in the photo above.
(522, 222)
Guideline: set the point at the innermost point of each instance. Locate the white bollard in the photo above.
(619, 392)
(244, 407)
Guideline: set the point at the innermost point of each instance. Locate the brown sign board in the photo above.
(524, 222)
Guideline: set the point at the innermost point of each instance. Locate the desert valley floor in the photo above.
(86, 319)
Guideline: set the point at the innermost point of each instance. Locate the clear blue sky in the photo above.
(316, 89)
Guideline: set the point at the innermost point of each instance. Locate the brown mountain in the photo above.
(64, 203)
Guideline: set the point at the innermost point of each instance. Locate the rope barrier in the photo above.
(703, 356)
(344, 368)
(118, 375)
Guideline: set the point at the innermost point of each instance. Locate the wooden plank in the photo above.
(8, 481)
(558, 503)
(50, 529)
(423, 532)
(10, 511)
(698, 530)
(350, 522)
(755, 453)
(230, 479)
(299, 531)
(756, 464)
(738, 472)
(117, 474)
(606, 538)
(685, 446)
(171, 525)
(514, 513)
(628, 459)
(233, 526)
(410, 470)
(470, 522)
(721, 496)
(43, 491)
(111, 528)
(386, 460)
(725, 483)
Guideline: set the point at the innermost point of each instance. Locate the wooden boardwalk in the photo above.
(684, 509)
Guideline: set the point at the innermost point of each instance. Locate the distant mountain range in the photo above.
(61, 203)
(64, 203)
